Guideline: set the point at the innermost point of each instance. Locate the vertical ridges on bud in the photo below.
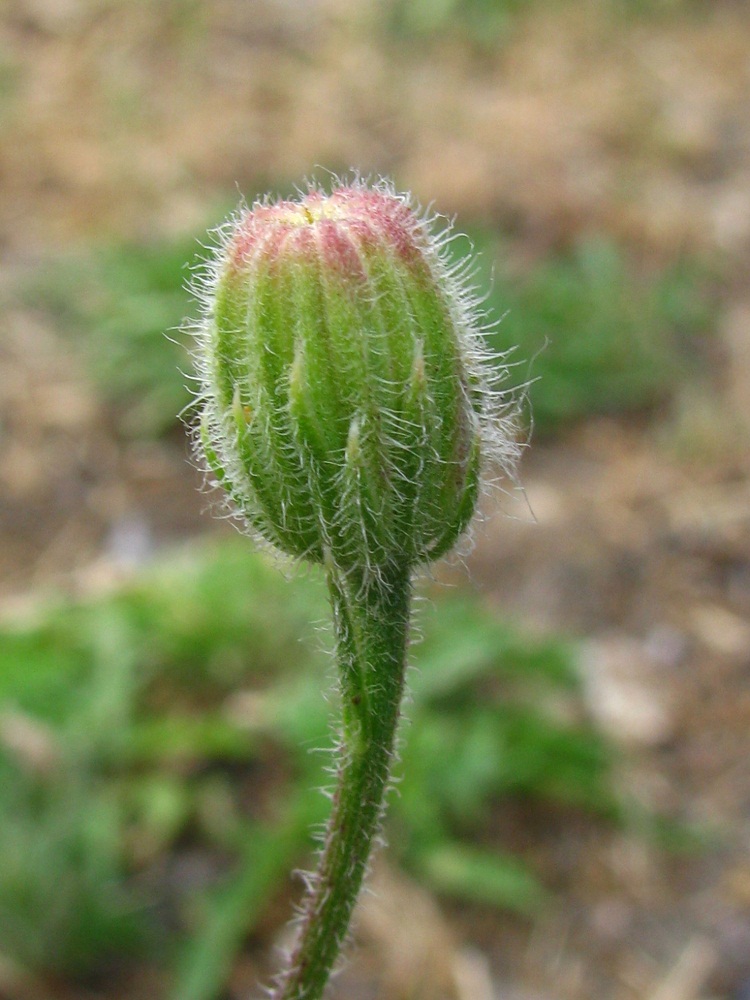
(347, 402)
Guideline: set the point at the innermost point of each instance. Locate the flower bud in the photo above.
(346, 402)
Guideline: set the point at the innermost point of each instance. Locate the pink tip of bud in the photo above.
(339, 230)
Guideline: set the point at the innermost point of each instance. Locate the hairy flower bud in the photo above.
(347, 407)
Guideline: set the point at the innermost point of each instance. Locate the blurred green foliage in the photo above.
(486, 22)
(66, 906)
(9, 84)
(591, 334)
(483, 21)
(123, 308)
(176, 716)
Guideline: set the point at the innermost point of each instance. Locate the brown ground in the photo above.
(135, 119)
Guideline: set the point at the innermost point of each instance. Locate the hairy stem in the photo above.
(371, 621)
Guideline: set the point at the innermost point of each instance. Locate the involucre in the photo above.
(348, 406)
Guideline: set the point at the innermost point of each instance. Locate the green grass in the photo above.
(66, 906)
(486, 23)
(122, 307)
(183, 709)
(483, 21)
(592, 334)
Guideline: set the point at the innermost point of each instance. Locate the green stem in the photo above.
(371, 622)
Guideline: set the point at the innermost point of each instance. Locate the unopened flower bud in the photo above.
(347, 406)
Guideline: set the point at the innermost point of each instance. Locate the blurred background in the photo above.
(573, 809)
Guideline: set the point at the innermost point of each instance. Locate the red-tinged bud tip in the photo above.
(336, 229)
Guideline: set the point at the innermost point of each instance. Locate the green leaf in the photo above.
(477, 876)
